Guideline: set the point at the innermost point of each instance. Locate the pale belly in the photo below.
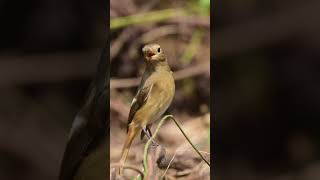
(155, 107)
(158, 101)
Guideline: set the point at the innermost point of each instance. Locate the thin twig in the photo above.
(174, 155)
(155, 134)
(149, 142)
(189, 140)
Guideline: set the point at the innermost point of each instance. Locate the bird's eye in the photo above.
(158, 50)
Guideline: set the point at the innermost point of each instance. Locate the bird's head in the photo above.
(153, 53)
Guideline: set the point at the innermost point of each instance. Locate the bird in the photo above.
(87, 151)
(154, 96)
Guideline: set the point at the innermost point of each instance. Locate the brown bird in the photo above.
(87, 151)
(155, 94)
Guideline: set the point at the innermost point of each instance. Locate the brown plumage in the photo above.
(154, 96)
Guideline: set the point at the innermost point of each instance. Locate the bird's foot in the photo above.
(149, 136)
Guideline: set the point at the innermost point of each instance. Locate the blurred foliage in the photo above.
(200, 7)
(143, 18)
(192, 47)
(205, 4)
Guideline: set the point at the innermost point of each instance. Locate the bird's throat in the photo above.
(157, 66)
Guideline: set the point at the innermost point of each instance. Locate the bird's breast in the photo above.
(163, 96)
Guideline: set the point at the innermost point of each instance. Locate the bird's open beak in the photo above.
(150, 53)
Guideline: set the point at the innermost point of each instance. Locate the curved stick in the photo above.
(155, 134)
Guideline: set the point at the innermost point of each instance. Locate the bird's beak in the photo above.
(150, 53)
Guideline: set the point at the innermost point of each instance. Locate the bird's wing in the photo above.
(139, 100)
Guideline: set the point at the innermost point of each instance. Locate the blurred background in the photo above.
(48, 56)
(182, 29)
(266, 97)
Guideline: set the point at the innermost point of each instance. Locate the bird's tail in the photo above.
(132, 132)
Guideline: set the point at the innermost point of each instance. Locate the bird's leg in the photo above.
(147, 132)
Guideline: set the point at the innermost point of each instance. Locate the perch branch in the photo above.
(149, 142)
(189, 140)
(145, 162)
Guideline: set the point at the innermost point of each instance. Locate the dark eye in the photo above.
(158, 50)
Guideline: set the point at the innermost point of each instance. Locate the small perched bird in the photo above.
(87, 151)
(155, 94)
